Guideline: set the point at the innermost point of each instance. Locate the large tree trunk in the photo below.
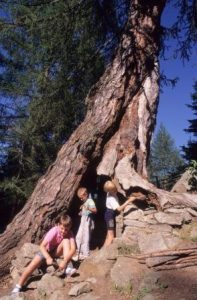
(114, 136)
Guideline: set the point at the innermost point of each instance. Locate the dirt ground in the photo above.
(178, 284)
(5, 286)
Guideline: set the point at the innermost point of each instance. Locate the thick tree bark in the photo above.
(114, 136)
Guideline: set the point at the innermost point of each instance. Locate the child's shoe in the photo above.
(16, 289)
(69, 271)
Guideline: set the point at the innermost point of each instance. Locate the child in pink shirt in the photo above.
(58, 241)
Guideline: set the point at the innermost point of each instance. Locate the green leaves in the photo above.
(190, 151)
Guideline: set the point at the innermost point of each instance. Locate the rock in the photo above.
(151, 242)
(58, 295)
(91, 268)
(182, 186)
(48, 284)
(122, 273)
(20, 262)
(91, 280)
(148, 297)
(106, 253)
(134, 215)
(193, 233)
(126, 274)
(131, 234)
(50, 269)
(161, 228)
(169, 218)
(149, 211)
(134, 223)
(80, 288)
(100, 263)
(15, 274)
(23, 257)
(182, 212)
(192, 212)
(155, 261)
(175, 210)
(149, 219)
(14, 297)
(171, 241)
(119, 225)
(129, 208)
(186, 217)
(89, 297)
(150, 281)
(28, 250)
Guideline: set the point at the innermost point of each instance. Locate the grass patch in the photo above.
(185, 232)
(128, 249)
(143, 292)
(162, 286)
(125, 290)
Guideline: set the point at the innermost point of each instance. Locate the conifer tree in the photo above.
(51, 54)
(190, 151)
(165, 160)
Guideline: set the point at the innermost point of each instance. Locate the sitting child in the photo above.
(58, 241)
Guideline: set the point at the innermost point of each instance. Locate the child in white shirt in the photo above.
(112, 207)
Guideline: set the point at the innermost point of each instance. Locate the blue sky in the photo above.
(173, 111)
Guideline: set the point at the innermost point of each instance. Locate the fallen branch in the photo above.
(175, 266)
(163, 253)
(173, 259)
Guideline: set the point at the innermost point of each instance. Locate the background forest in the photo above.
(51, 53)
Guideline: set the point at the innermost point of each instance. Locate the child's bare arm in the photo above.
(128, 201)
(49, 259)
(92, 209)
(88, 207)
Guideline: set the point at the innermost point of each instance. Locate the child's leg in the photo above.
(79, 236)
(110, 236)
(67, 250)
(85, 246)
(34, 264)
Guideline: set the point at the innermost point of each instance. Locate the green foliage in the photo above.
(128, 249)
(51, 53)
(193, 172)
(165, 161)
(125, 290)
(143, 292)
(190, 151)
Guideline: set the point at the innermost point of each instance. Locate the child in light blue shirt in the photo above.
(88, 208)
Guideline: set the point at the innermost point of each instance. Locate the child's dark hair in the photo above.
(64, 220)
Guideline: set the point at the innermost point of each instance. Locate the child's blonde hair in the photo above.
(64, 220)
(81, 190)
(110, 187)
